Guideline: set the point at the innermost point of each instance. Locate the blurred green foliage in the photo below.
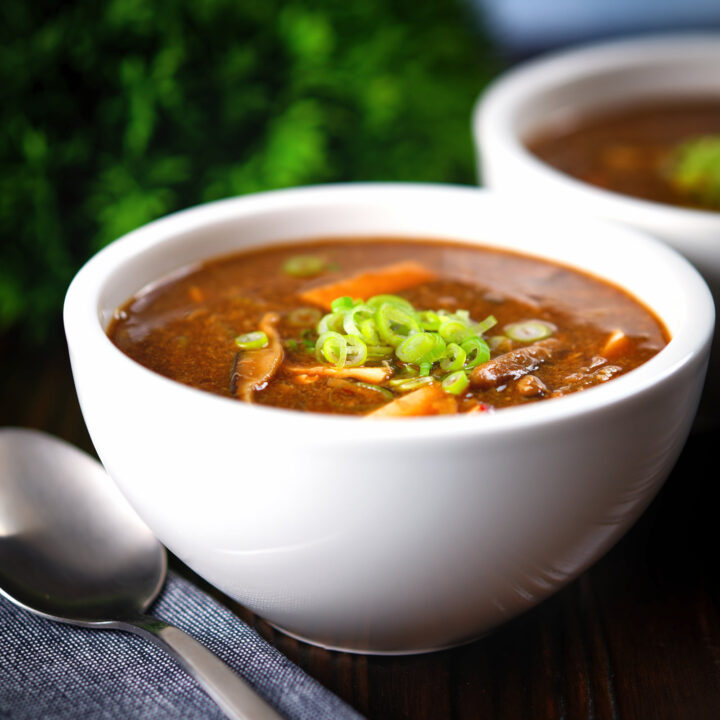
(112, 114)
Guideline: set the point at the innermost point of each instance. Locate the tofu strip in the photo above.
(514, 364)
(374, 375)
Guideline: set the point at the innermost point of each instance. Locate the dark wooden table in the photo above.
(638, 636)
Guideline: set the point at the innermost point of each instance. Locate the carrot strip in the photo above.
(427, 400)
(196, 294)
(615, 345)
(388, 279)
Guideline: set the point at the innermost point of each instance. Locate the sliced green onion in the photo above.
(304, 317)
(416, 347)
(252, 340)
(484, 325)
(438, 350)
(331, 347)
(454, 330)
(380, 352)
(454, 359)
(429, 320)
(342, 303)
(529, 330)
(354, 316)
(394, 323)
(477, 352)
(308, 338)
(387, 327)
(368, 331)
(304, 265)
(332, 322)
(407, 384)
(377, 388)
(377, 300)
(356, 352)
(409, 371)
(694, 170)
(455, 383)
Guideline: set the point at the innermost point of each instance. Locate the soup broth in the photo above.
(263, 326)
(642, 151)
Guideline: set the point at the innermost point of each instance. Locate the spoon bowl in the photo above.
(72, 549)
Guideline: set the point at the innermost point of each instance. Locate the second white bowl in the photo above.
(576, 83)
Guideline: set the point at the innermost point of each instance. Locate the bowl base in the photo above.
(371, 651)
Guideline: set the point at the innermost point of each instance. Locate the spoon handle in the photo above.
(236, 698)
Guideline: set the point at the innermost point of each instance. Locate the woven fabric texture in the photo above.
(53, 671)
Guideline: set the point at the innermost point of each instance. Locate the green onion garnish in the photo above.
(304, 265)
(487, 324)
(415, 348)
(454, 359)
(386, 394)
(388, 328)
(409, 383)
(455, 383)
(476, 350)
(394, 323)
(332, 321)
(453, 330)
(341, 350)
(377, 300)
(429, 320)
(252, 340)
(380, 352)
(529, 330)
(694, 170)
(342, 303)
(356, 321)
(308, 338)
(304, 317)
(331, 347)
(357, 351)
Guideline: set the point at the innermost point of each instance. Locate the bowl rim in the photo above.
(83, 325)
(496, 108)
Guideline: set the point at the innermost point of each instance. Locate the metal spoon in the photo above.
(73, 550)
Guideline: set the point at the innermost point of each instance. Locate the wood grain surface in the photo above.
(637, 636)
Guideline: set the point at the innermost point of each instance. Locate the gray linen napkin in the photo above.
(54, 671)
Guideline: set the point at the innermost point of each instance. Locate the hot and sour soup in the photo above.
(666, 151)
(386, 327)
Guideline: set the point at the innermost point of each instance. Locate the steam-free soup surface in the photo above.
(667, 151)
(549, 330)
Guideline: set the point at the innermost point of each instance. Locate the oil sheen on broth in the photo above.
(386, 328)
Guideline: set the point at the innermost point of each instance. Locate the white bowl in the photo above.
(577, 82)
(386, 536)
